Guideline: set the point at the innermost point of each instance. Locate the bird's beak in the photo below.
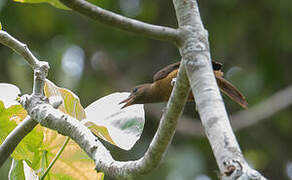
(129, 101)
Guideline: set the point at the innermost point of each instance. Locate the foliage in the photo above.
(104, 117)
(119, 127)
(9, 118)
(20, 170)
(71, 103)
(48, 142)
(252, 40)
(55, 3)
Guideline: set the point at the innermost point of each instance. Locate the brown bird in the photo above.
(160, 89)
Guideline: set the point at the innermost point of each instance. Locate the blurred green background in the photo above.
(252, 38)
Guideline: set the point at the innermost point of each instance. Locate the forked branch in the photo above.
(195, 52)
(41, 111)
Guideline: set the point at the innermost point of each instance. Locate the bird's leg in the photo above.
(173, 81)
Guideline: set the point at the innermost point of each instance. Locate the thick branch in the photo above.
(13, 139)
(168, 122)
(195, 52)
(190, 127)
(115, 20)
(68, 126)
(38, 108)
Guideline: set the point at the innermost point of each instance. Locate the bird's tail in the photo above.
(228, 89)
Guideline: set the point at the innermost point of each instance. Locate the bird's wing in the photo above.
(165, 71)
(168, 69)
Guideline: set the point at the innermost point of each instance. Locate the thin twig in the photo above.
(20, 48)
(121, 22)
(277, 102)
(245, 118)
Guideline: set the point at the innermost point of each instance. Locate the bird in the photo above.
(160, 89)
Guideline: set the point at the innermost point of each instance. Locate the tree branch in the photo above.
(115, 20)
(245, 118)
(193, 127)
(20, 48)
(40, 72)
(49, 117)
(39, 109)
(194, 48)
(192, 40)
(14, 138)
(280, 100)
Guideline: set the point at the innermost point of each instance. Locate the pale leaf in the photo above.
(124, 126)
(8, 94)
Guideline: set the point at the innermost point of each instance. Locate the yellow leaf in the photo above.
(73, 161)
(19, 115)
(100, 131)
(76, 163)
(71, 103)
(100, 176)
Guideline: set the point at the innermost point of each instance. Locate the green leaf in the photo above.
(16, 171)
(11, 113)
(29, 173)
(35, 164)
(20, 170)
(28, 148)
(0, 26)
(44, 162)
(9, 118)
(2, 108)
(71, 104)
(54, 3)
(121, 127)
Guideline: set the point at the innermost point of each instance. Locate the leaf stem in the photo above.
(55, 158)
(44, 160)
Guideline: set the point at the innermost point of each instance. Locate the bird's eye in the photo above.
(135, 90)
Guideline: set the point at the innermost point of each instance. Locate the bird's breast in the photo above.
(164, 86)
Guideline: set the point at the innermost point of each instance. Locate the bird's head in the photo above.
(138, 95)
